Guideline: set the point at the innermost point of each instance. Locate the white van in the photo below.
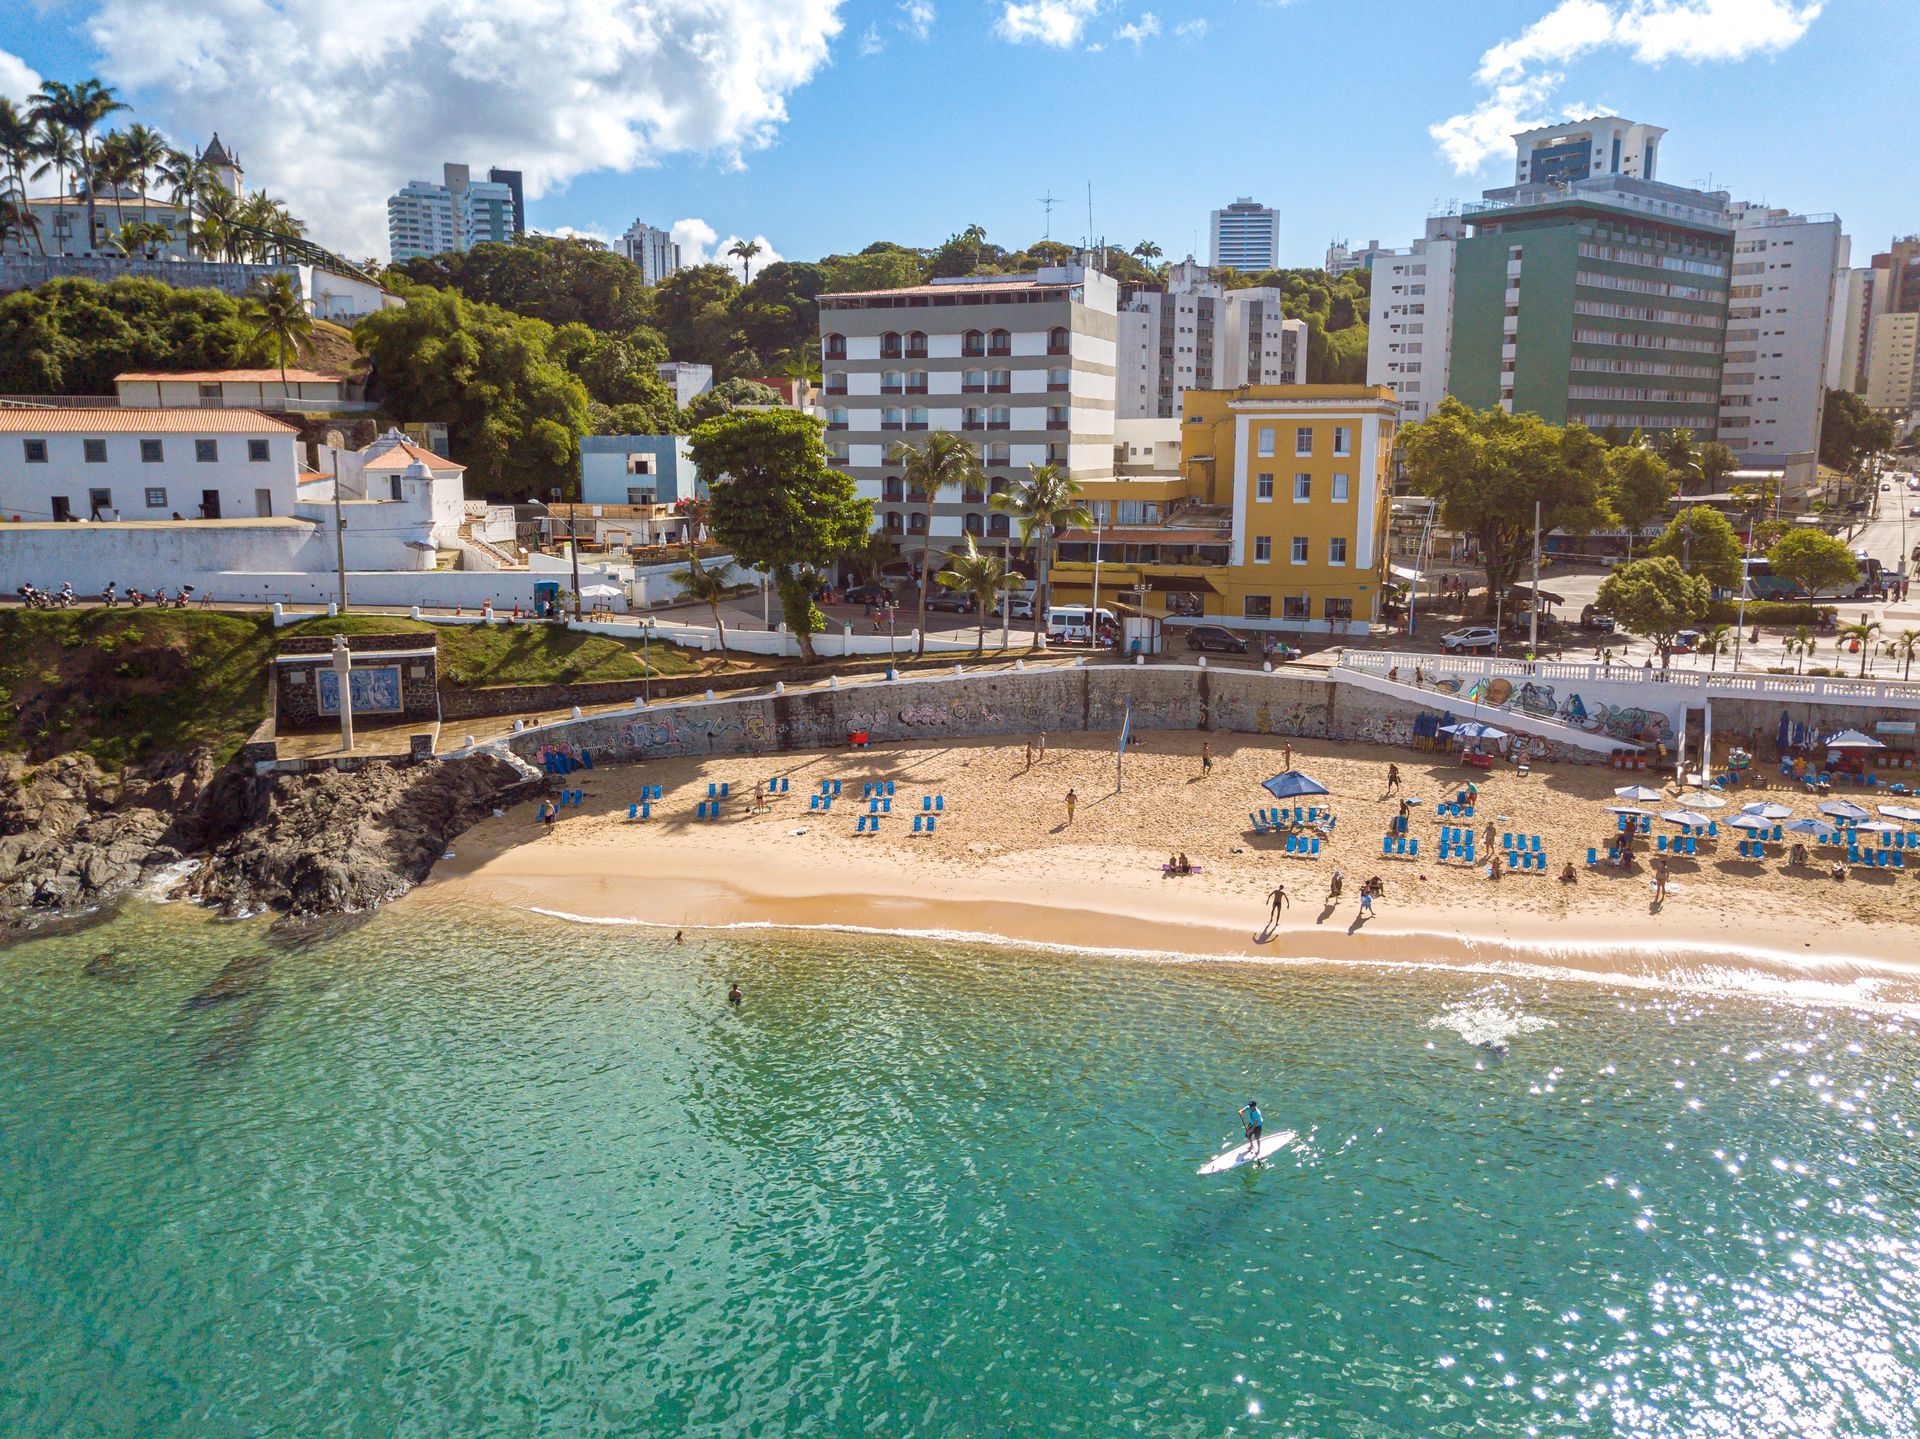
(1073, 624)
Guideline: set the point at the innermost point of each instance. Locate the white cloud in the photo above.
(700, 244)
(18, 79)
(1139, 31)
(1059, 23)
(1191, 29)
(576, 232)
(1649, 31)
(870, 41)
(916, 18)
(386, 90)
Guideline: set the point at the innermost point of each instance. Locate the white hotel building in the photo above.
(1023, 365)
(1410, 318)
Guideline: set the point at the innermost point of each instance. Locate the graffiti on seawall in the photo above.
(1622, 722)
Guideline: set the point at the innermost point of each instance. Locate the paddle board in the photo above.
(1242, 1153)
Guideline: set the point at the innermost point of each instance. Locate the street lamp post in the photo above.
(573, 548)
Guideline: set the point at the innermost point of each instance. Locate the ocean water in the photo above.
(456, 1173)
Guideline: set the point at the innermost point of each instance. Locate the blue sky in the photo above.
(821, 125)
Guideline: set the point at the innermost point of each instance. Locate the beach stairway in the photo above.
(1399, 846)
(923, 823)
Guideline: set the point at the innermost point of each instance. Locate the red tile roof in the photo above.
(123, 420)
(405, 453)
(238, 377)
(971, 287)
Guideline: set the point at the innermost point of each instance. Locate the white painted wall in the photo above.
(27, 490)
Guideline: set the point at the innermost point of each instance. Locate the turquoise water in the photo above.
(503, 1175)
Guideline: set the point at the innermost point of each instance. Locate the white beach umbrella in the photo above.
(1686, 817)
(1901, 811)
(1879, 826)
(1752, 822)
(1627, 809)
(1638, 793)
(1767, 809)
(1842, 809)
(602, 592)
(1702, 799)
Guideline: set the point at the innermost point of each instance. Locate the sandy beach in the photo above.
(1006, 863)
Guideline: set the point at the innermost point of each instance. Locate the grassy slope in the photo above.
(123, 685)
(472, 656)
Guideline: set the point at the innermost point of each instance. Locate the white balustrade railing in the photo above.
(1731, 684)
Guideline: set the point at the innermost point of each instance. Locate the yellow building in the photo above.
(1276, 519)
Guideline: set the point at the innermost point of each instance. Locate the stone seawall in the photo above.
(1091, 698)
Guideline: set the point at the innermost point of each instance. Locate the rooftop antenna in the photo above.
(1047, 202)
(1089, 214)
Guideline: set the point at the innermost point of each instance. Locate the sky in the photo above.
(819, 126)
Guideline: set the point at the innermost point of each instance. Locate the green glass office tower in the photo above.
(1603, 302)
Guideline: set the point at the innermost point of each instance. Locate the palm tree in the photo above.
(982, 576)
(79, 108)
(282, 323)
(1862, 634)
(59, 152)
(943, 462)
(1903, 647)
(186, 176)
(113, 168)
(744, 251)
(1716, 641)
(18, 137)
(1801, 646)
(146, 151)
(1043, 504)
(219, 215)
(1146, 252)
(704, 587)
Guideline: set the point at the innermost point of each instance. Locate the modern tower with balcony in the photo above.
(1022, 365)
(1246, 237)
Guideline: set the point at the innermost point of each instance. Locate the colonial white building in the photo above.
(317, 390)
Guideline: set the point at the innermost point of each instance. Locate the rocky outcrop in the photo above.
(74, 838)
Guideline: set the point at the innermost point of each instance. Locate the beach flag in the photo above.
(1126, 724)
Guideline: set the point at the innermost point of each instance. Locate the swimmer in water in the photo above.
(734, 996)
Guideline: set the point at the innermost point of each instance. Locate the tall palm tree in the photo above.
(1903, 647)
(1146, 252)
(982, 576)
(1716, 641)
(59, 152)
(943, 462)
(186, 177)
(146, 151)
(1862, 634)
(1042, 505)
(18, 135)
(219, 217)
(113, 168)
(282, 323)
(705, 587)
(79, 108)
(744, 251)
(1801, 646)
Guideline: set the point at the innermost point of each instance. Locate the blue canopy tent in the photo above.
(1292, 785)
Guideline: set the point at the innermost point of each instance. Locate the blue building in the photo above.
(637, 470)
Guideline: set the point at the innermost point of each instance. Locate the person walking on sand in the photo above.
(1206, 756)
(1072, 800)
(1366, 903)
(1029, 767)
(1335, 885)
(1286, 754)
(1393, 779)
(549, 812)
(1659, 879)
(1042, 756)
(1276, 902)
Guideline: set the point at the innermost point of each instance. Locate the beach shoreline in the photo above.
(1006, 866)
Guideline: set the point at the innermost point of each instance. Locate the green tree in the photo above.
(78, 108)
(1903, 647)
(1851, 434)
(727, 396)
(1705, 544)
(943, 461)
(19, 139)
(1042, 505)
(1801, 644)
(1488, 468)
(562, 280)
(71, 337)
(777, 318)
(983, 576)
(1716, 641)
(778, 505)
(1861, 636)
(1639, 484)
(57, 149)
(619, 373)
(878, 267)
(282, 324)
(705, 587)
(1716, 462)
(745, 251)
(868, 560)
(694, 310)
(514, 414)
(1812, 561)
(1655, 598)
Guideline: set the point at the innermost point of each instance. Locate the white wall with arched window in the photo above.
(834, 346)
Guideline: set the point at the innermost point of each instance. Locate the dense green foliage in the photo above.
(1705, 544)
(1778, 613)
(1850, 433)
(71, 337)
(778, 505)
(562, 281)
(1639, 485)
(513, 410)
(729, 395)
(1813, 561)
(506, 654)
(1655, 598)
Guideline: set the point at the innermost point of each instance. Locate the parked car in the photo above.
(1020, 607)
(1469, 640)
(1914, 513)
(869, 595)
(1213, 637)
(1687, 641)
(958, 602)
(1592, 619)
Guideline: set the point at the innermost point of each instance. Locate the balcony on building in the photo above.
(1059, 342)
(916, 346)
(999, 342)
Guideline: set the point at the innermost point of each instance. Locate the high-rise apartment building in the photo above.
(1246, 236)
(1344, 259)
(1194, 333)
(653, 250)
(1022, 365)
(460, 212)
(1585, 149)
(512, 180)
(1893, 366)
(1410, 318)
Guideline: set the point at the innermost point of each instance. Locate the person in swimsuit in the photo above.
(734, 996)
(1255, 1122)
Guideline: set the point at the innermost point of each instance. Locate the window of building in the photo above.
(917, 418)
(836, 382)
(1263, 485)
(916, 382)
(836, 347)
(36, 451)
(893, 488)
(973, 382)
(1302, 488)
(152, 452)
(1299, 549)
(973, 524)
(890, 346)
(1258, 607)
(999, 417)
(1263, 442)
(206, 452)
(1000, 382)
(999, 342)
(892, 382)
(836, 417)
(1337, 550)
(1340, 486)
(1303, 440)
(1262, 549)
(1057, 340)
(94, 451)
(1056, 417)
(997, 526)
(973, 418)
(998, 454)
(893, 418)
(1057, 379)
(156, 498)
(1296, 607)
(99, 503)
(1342, 440)
(973, 342)
(917, 523)
(998, 485)
(916, 345)
(1339, 609)
(893, 522)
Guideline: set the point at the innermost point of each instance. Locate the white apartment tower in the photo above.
(1583, 149)
(1410, 319)
(1195, 334)
(1246, 236)
(1022, 365)
(1782, 334)
(1344, 259)
(460, 212)
(653, 250)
